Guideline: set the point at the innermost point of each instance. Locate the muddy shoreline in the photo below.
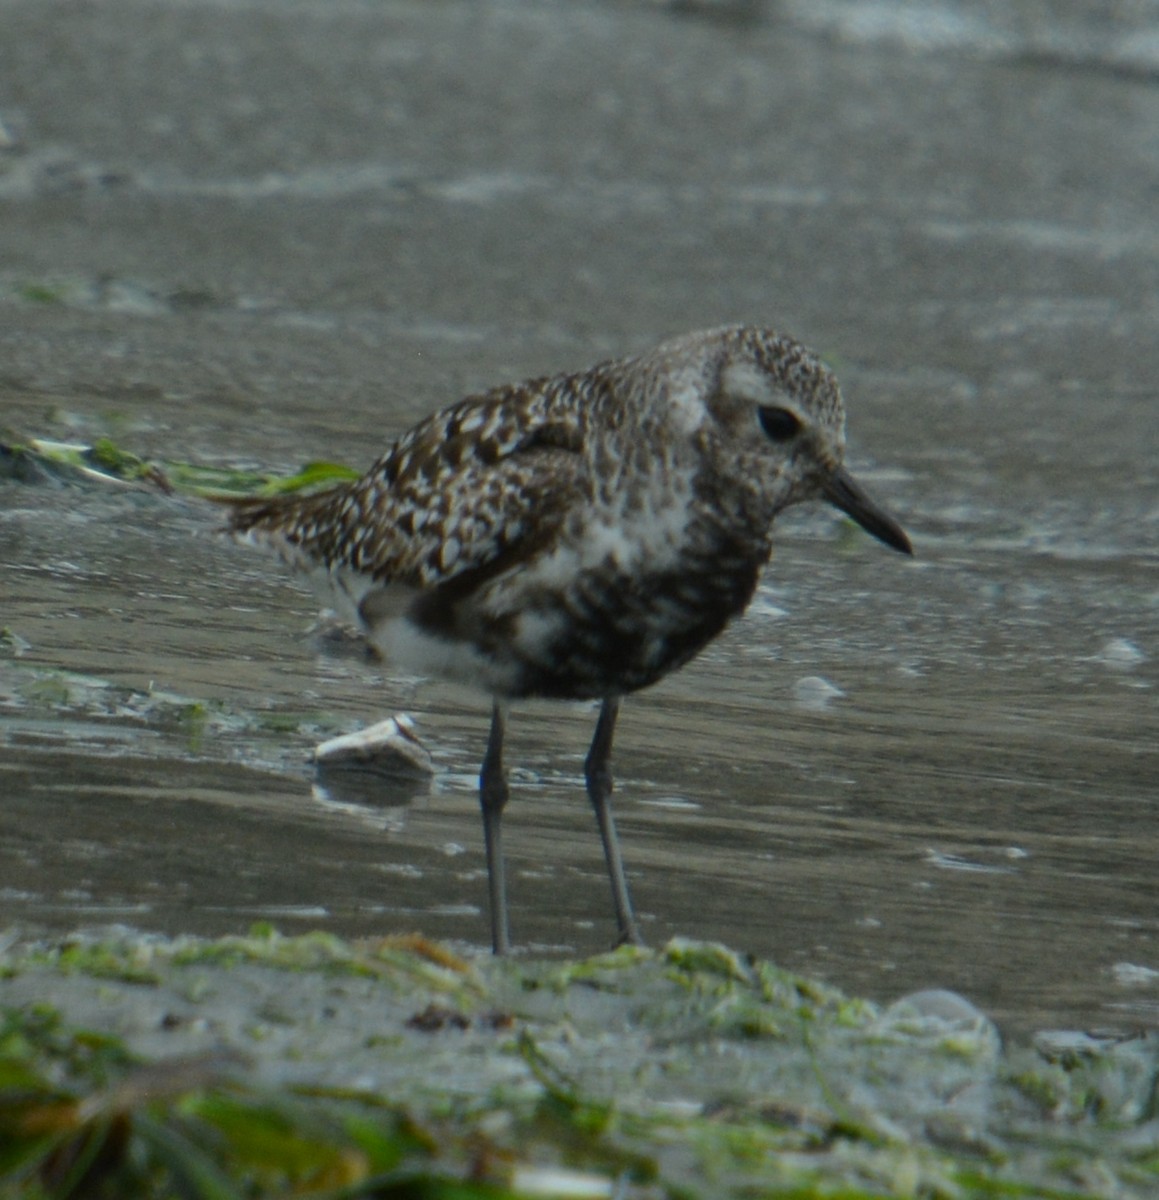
(687, 1070)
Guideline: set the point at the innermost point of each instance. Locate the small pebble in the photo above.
(391, 747)
(1120, 654)
(815, 694)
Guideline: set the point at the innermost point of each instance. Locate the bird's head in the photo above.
(768, 416)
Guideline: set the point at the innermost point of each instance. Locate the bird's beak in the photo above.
(842, 490)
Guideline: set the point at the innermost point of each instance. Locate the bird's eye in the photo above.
(779, 424)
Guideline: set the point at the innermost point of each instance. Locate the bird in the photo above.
(576, 536)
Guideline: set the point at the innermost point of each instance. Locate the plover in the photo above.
(577, 537)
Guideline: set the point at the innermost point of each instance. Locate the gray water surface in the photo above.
(259, 233)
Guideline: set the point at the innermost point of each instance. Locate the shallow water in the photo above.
(286, 231)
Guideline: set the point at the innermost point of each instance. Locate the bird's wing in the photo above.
(461, 491)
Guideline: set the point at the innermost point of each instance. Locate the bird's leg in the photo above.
(598, 773)
(492, 799)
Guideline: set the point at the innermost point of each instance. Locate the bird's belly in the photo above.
(544, 651)
(409, 647)
(597, 634)
(607, 636)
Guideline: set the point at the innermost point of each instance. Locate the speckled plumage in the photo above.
(577, 536)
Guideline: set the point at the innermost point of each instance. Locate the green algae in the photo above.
(186, 1127)
(106, 461)
(122, 961)
(264, 945)
(397, 1068)
(189, 724)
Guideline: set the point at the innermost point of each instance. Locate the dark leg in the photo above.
(492, 799)
(598, 772)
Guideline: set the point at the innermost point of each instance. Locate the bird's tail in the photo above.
(294, 525)
(247, 513)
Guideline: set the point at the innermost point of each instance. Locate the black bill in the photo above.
(841, 489)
